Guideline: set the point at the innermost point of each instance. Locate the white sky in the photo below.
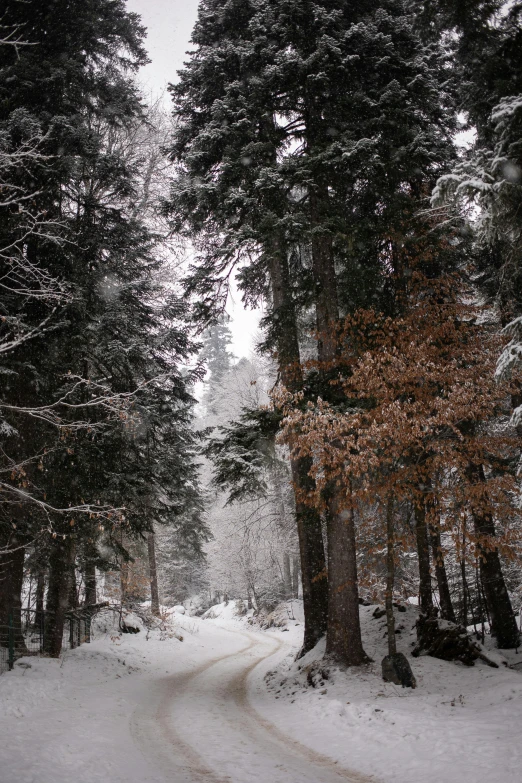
(169, 24)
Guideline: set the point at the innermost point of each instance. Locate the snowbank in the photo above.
(228, 611)
(75, 718)
(461, 725)
(71, 719)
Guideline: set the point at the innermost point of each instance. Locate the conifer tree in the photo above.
(317, 183)
(489, 178)
(487, 186)
(108, 448)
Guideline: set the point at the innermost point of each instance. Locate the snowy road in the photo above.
(202, 726)
(149, 708)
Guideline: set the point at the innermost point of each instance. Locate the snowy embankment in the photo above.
(71, 719)
(229, 703)
(460, 725)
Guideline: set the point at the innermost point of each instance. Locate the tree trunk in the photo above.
(40, 594)
(124, 581)
(153, 574)
(287, 575)
(308, 520)
(325, 279)
(11, 577)
(446, 606)
(503, 621)
(90, 582)
(295, 577)
(344, 642)
(73, 587)
(423, 553)
(390, 578)
(58, 594)
(11, 583)
(313, 562)
(343, 638)
(465, 594)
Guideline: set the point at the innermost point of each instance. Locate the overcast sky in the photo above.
(169, 26)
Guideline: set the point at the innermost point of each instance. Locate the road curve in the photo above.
(200, 727)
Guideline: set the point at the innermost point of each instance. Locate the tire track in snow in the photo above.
(202, 725)
(313, 756)
(149, 716)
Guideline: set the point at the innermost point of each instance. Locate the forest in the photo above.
(354, 169)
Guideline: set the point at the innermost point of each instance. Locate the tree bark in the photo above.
(11, 583)
(313, 561)
(343, 638)
(423, 554)
(446, 606)
(287, 575)
(90, 582)
(73, 587)
(390, 578)
(58, 594)
(325, 280)
(295, 577)
(308, 520)
(503, 621)
(124, 581)
(11, 577)
(153, 574)
(344, 642)
(40, 594)
(465, 595)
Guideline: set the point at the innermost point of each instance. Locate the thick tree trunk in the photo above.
(11, 583)
(343, 638)
(503, 622)
(295, 577)
(313, 562)
(287, 575)
(308, 520)
(58, 594)
(11, 577)
(153, 575)
(325, 280)
(423, 554)
(390, 578)
(344, 642)
(446, 606)
(90, 582)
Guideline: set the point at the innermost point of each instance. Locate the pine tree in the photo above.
(487, 187)
(218, 360)
(118, 454)
(317, 182)
(489, 178)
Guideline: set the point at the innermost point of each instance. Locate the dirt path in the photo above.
(201, 727)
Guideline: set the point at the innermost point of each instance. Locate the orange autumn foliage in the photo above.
(415, 404)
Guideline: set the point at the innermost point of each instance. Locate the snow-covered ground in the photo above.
(148, 708)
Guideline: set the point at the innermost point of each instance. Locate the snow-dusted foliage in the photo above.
(487, 182)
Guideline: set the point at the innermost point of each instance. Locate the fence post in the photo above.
(11, 640)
